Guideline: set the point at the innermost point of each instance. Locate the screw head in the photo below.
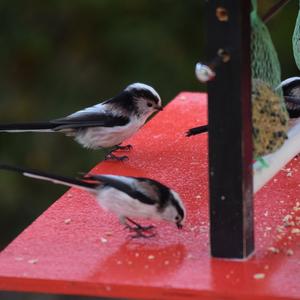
(204, 73)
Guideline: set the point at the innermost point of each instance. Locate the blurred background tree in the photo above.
(59, 56)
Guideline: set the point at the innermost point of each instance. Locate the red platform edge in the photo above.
(77, 248)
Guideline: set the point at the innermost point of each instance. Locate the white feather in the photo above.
(98, 108)
(142, 86)
(123, 205)
(104, 137)
(287, 81)
(56, 181)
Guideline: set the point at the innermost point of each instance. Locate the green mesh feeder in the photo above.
(296, 41)
(269, 119)
(264, 60)
(269, 114)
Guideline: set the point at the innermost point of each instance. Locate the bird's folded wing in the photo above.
(131, 189)
(90, 119)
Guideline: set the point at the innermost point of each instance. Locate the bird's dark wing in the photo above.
(125, 187)
(90, 119)
(50, 177)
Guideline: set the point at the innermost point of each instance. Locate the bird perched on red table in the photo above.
(103, 125)
(127, 197)
(291, 94)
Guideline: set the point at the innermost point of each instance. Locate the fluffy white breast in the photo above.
(104, 137)
(123, 205)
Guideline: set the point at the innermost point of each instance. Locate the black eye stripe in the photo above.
(178, 208)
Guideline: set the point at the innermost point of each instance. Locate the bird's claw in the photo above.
(142, 235)
(140, 231)
(123, 148)
(139, 228)
(113, 157)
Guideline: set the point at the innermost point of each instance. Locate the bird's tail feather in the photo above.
(23, 127)
(197, 130)
(63, 180)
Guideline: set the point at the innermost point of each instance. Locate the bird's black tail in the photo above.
(68, 181)
(197, 130)
(23, 127)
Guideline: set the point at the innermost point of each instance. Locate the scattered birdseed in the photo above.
(67, 221)
(287, 218)
(103, 240)
(280, 229)
(295, 231)
(289, 252)
(193, 228)
(203, 229)
(273, 250)
(19, 258)
(259, 276)
(296, 208)
(290, 224)
(33, 261)
(108, 288)
(151, 257)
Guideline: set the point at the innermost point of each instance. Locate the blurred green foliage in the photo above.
(59, 56)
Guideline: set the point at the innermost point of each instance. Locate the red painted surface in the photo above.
(62, 251)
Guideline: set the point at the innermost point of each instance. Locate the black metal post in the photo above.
(230, 129)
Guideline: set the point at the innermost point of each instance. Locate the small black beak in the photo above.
(179, 225)
(159, 108)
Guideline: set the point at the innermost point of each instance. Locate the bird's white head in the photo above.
(174, 211)
(146, 98)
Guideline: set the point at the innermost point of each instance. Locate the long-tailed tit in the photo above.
(127, 197)
(291, 94)
(103, 125)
